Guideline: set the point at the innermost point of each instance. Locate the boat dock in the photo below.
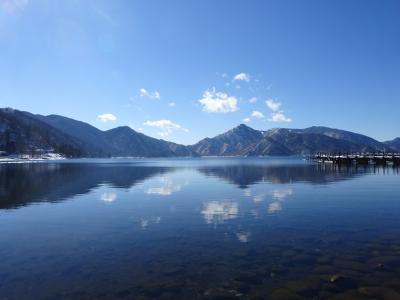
(382, 159)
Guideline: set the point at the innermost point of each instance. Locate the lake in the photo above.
(226, 228)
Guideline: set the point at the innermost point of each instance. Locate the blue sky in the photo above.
(184, 70)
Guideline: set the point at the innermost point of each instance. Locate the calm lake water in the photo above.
(199, 229)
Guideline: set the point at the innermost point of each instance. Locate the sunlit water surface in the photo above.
(199, 229)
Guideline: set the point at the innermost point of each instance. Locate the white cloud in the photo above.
(218, 102)
(279, 117)
(13, 6)
(242, 77)
(246, 120)
(151, 95)
(273, 105)
(224, 75)
(257, 114)
(253, 100)
(107, 117)
(172, 104)
(217, 212)
(166, 126)
(108, 197)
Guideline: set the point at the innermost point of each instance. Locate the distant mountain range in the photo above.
(23, 132)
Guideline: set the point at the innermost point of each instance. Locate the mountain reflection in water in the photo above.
(21, 184)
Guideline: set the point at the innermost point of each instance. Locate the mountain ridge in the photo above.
(394, 144)
(22, 132)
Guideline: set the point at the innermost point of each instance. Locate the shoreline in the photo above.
(15, 160)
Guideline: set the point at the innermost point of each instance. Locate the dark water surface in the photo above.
(199, 229)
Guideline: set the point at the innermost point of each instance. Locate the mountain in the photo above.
(394, 144)
(367, 143)
(124, 141)
(232, 142)
(246, 141)
(23, 132)
(20, 132)
(120, 141)
(322, 139)
(267, 146)
(93, 139)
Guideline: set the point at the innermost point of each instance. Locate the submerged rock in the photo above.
(302, 259)
(387, 261)
(222, 294)
(349, 295)
(250, 277)
(343, 283)
(288, 253)
(307, 288)
(350, 265)
(324, 269)
(324, 260)
(284, 294)
(393, 283)
(383, 293)
(336, 278)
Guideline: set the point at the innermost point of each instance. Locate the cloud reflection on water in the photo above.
(108, 197)
(274, 207)
(166, 188)
(279, 196)
(217, 212)
(243, 237)
(146, 222)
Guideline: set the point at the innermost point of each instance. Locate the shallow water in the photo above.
(199, 229)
